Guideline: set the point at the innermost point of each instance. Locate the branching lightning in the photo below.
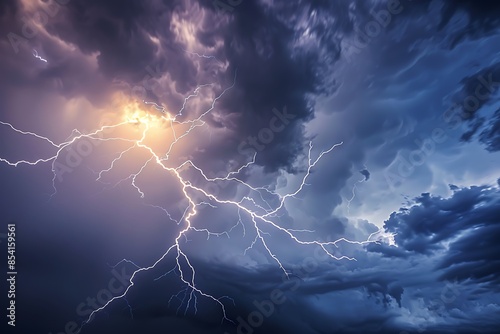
(254, 212)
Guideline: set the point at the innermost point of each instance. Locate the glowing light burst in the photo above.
(257, 216)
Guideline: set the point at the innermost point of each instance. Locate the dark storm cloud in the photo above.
(119, 30)
(470, 218)
(490, 136)
(475, 257)
(313, 297)
(404, 52)
(254, 287)
(415, 222)
(273, 74)
(484, 19)
(69, 74)
(478, 91)
(388, 122)
(119, 34)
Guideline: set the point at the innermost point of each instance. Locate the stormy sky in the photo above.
(258, 166)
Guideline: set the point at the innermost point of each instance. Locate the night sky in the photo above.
(251, 166)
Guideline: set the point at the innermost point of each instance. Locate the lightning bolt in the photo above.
(157, 107)
(353, 194)
(254, 211)
(203, 56)
(353, 191)
(35, 54)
